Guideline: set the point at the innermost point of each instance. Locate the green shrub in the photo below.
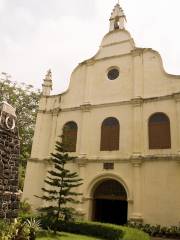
(16, 231)
(106, 231)
(19, 229)
(33, 225)
(100, 230)
(157, 230)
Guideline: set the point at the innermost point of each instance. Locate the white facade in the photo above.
(151, 177)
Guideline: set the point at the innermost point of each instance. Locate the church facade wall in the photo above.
(150, 177)
(158, 168)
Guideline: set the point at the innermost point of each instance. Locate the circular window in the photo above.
(113, 74)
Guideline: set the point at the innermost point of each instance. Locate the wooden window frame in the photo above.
(110, 134)
(159, 132)
(70, 136)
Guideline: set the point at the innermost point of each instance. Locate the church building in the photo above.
(122, 115)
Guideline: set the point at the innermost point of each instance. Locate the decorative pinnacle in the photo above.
(118, 18)
(47, 84)
(48, 76)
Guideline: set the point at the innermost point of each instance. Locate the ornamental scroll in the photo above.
(9, 158)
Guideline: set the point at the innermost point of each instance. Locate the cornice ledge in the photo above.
(112, 57)
(56, 111)
(90, 62)
(81, 162)
(51, 111)
(38, 160)
(70, 109)
(86, 107)
(137, 101)
(137, 51)
(177, 96)
(117, 43)
(154, 157)
(136, 160)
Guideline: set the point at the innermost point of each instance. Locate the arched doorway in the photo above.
(110, 202)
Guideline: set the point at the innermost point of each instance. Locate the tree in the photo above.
(25, 99)
(61, 182)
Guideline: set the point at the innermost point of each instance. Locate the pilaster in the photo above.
(85, 128)
(82, 162)
(138, 72)
(177, 100)
(137, 104)
(137, 201)
(53, 137)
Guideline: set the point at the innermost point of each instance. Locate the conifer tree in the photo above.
(61, 182)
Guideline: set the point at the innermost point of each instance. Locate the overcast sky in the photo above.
(40, 34)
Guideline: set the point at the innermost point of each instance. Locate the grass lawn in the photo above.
(63, 236)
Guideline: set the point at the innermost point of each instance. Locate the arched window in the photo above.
(70, 136)
(110, 134)
(159, 131)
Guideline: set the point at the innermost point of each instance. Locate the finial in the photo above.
(48, 75)
(117, 20)
(47, 84)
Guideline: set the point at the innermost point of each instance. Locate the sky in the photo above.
(40, 34)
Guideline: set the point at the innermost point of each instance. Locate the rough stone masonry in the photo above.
(9, 158)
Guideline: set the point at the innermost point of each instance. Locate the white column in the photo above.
(85, 130)
(82, 162)
(177, 100)
(136, 214)
(54, 135)
(138, 73)
(137, 127)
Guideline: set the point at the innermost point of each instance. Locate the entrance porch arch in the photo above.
(109, 196)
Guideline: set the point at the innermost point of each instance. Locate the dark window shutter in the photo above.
(159, 132)
(70, 136)
(110, 134)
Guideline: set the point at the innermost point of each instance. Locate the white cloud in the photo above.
(36, 35)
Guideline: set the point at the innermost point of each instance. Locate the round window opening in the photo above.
(113, 74)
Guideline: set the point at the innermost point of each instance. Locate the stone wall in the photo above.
(9, 158)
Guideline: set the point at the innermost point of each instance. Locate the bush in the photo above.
(19, 230)
(101, 230)
(157, 230)
(106, 231)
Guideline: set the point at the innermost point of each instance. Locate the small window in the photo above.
(113, 74)
(108, 165)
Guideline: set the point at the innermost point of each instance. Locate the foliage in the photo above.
(101, 230)
(4, 228)
(157, 230)
(33, 225)
(19, 230)
(14, 231)
(106, 231)
(25, 209)
(25, 99)
(61, 182)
